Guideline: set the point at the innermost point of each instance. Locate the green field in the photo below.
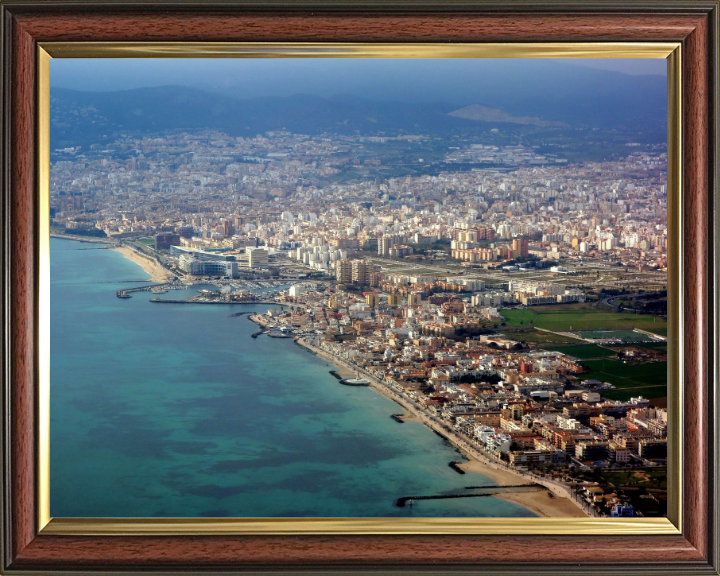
(656, 346)
(583, 351)
(518, 317)
(571, 320)
(147, 242)
(647, 380)
(531, 336)
(655, 478)
(564, 320)
(622, 335)
(571, 307)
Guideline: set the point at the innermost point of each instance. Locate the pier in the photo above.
(490, 491)
(125, 293)
(400, 502)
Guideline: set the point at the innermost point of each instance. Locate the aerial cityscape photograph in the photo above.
(358, 288)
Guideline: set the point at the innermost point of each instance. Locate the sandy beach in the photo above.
(157, 272)
(342, 371)
(545, 504)
(409, 417)
(557, 505)
(346, 372)
(500, 476)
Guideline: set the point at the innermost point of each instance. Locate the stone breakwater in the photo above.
(260, 320)
(560, 506)
(561, 503)
(225, 384)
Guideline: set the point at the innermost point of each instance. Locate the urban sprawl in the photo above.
(518, 307)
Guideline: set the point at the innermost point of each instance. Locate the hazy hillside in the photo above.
(82, 118)
(481, 113)
(540, 88)
(89, 116)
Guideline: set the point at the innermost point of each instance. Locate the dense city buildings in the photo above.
(519, 305)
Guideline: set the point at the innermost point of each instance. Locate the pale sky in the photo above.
(281, 76)
(634, 66)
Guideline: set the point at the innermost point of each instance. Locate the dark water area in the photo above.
(174, 410)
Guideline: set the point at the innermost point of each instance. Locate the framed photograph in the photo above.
(349, 288)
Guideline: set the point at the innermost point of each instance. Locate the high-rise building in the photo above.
(394, 299)
(164, 241)
(414, 298)
(521, 246)
(361, 272)
(384, 245)
(257, 257)
(343, 272)
(372, 299)
(355, 271)
(186, 231)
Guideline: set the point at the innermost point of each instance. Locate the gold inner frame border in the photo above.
(671, 524)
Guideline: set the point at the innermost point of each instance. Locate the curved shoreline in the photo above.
(541, 503)
(146, 263)
(157, 272)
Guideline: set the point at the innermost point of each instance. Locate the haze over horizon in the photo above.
(367, 96)
(380, 79)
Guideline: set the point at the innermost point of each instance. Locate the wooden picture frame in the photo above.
(28, 548)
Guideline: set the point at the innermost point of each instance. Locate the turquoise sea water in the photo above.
(173, 410)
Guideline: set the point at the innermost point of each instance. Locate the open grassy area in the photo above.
(639, 478)
(529, 335)
(543, 338)
(518, 317)
(649, 392)
(647, 380)
(571, 307)
(657, 346)
(583, 351)
(147, 242)
(585, 320)
(567, 317)
(622, 335)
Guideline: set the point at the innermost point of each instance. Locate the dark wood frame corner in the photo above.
(692, 23)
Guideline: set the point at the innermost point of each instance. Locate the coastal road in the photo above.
(446, 431)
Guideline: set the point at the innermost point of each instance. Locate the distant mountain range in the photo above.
(481, 113)
(82, 118)
(540, 88)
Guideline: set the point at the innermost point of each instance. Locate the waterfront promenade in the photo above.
(563, 503)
